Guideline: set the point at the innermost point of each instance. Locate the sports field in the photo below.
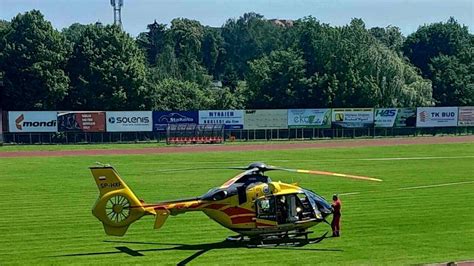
(423, 212)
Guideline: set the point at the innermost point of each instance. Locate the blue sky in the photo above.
(136, 14)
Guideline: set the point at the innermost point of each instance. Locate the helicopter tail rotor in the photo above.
(117, 206)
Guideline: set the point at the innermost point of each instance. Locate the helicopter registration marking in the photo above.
(110, 185)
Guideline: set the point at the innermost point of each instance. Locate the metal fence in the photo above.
(237, 135)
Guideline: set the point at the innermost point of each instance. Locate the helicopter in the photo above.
(250, 204)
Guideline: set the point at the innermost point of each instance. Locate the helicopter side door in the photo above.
(266, 212)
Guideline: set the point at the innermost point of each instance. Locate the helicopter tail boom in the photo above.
(117, 206)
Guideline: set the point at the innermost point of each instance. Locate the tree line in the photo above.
(249, 62)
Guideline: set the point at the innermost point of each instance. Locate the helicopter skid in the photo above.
(278, 239)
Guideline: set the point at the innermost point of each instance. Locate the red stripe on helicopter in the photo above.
(236, 211)
(215, 206)
(262, 224)
(242, 219)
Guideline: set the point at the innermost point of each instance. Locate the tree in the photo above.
(173, 94)
(32, 60)
(389, 36)
(277, 80)
(107, 71)
(153, 41)
(443, 52)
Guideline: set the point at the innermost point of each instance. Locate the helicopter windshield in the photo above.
(318, 203)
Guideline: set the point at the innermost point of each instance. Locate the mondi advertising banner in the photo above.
(395, 117)
(309, 118)
(232, 119)
(353, 117)
(161, 119)
(466, 116)
(129, 121)
(40, 121)
(266, 119)
(436, 116)
(81, 121)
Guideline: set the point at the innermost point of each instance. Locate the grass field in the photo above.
(423, 212)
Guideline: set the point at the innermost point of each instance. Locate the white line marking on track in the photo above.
(410, 188)
(416, 158)
(437, 185)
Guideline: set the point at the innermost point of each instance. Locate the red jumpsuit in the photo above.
(336, 217)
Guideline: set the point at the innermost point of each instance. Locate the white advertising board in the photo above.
(266, 119)
(436, 116)
(309, 118)
(353, 117)
(129, 121)
(232, 119)
(32, 121)
(466, 116)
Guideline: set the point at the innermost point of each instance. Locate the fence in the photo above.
(237, 135)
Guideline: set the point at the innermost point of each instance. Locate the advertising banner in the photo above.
(161, 119)
(309, 118)
(81, 121)
(466, 116)
(232, 119)
(266, 119)
(129, 121)
(395, 117)
(436, 116)
(41, 121)
(353, 117)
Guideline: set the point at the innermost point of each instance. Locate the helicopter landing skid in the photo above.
(278, 239)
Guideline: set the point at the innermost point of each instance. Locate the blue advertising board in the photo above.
(161, 119)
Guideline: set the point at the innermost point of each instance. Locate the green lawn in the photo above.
(46, 208)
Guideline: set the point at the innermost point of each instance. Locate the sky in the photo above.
(408, 15)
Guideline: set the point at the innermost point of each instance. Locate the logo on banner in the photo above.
(129, 120)
(20, 123)
(386, 113)
(423, 116)
(176, 118)
(339, 117)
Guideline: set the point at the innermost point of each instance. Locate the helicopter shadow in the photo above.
(199, 248)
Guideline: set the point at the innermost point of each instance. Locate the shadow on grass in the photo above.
(199, 248)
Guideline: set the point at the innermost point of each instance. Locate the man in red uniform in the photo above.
(336, 216)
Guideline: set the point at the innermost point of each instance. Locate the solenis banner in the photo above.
(436, 116)
(232, 119)
(266, 119)
(309, 118)
(81, 121)
(40, 121)
(466, 116)
(353, 117)
(395, 117)
(161, 119)
(137, 121)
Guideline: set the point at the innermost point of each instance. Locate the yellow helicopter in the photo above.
(250, 204)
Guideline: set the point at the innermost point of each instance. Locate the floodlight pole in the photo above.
(117, 5)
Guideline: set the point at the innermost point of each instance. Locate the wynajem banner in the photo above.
(309, 118)
(81, 121)
(161, 119)
(266, 119)
(41, 121)
(353, 117)
(436, 116)
(232, 119)
(395, 117)
(137, 121)
(466, 116)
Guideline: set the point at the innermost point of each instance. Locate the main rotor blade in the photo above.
(316, 172)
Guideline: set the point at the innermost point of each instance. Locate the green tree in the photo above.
(443, 52)
(390, 36)
(32, 60)
(107, 71)
(153, 41)
(277, 80)
(173, 94)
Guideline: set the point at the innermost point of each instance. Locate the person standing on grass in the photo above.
(336, 216)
